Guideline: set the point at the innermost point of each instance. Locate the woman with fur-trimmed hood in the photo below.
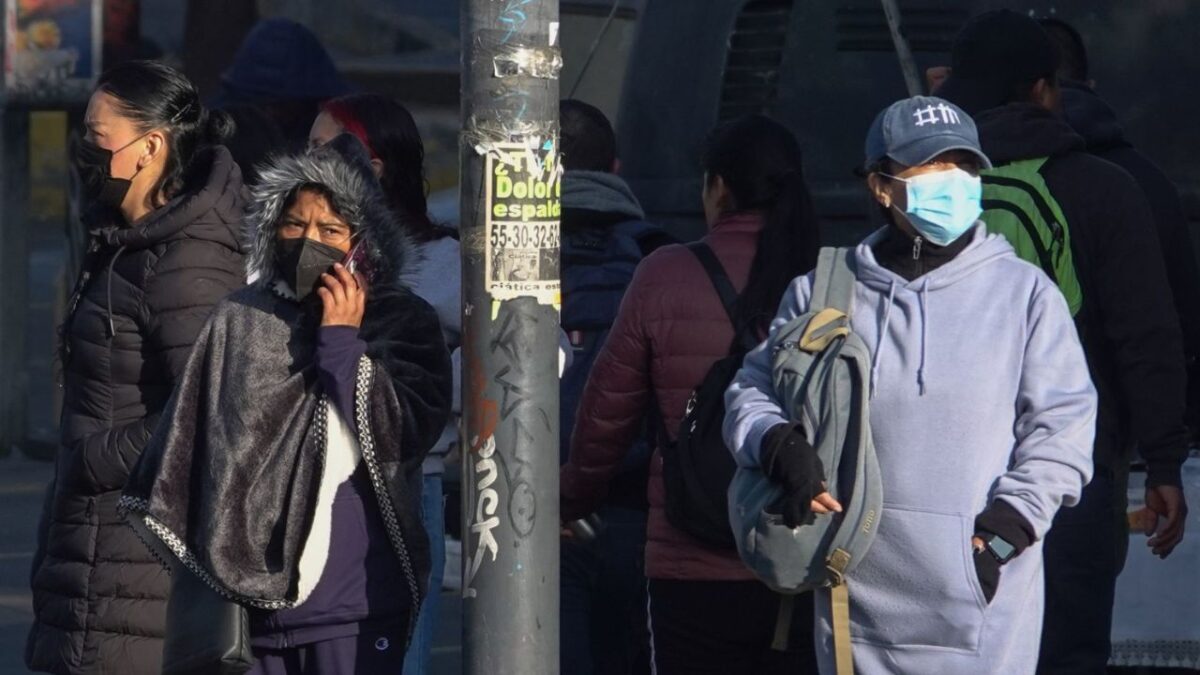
(286, 472)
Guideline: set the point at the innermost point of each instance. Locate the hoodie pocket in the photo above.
(917, 586)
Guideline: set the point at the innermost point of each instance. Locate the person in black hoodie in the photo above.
(1093, 119)
(1003, 69)
(166, 207)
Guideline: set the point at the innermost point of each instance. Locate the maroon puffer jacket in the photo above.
(669, 331)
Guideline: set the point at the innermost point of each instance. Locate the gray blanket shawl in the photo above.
(228, 482)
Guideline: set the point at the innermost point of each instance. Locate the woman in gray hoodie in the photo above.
(982, 413)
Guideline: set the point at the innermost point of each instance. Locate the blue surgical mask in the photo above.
(943, 205)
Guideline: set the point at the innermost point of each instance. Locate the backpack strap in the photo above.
(833, 281)
(1036, 198)
(724, 287)
(716, 274)
(839, 603)
(843, 655)
(783, 622)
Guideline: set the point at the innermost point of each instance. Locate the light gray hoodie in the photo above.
(980, 392)
(436, 280)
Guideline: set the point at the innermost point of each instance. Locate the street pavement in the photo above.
(22, 487)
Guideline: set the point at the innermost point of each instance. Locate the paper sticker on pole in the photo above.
(524, 189)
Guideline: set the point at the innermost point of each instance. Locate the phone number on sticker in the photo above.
(521, 235)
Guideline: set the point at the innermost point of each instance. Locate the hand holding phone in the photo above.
(343, 297)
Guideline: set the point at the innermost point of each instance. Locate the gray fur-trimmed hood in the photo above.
(343, 167)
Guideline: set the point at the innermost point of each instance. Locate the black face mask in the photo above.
(301, 262)
(94, 165)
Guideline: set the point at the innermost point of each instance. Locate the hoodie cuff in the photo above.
(1004, 521)
(1168, 473)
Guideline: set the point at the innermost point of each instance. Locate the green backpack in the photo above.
(1018, 205)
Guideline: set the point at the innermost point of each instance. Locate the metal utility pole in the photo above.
(908, 65)
(510, 188)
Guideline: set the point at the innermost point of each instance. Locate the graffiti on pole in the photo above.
(513, 17)
(500, 485)
(519, 415)
(483, 519)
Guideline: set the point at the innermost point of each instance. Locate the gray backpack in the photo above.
(821, 374)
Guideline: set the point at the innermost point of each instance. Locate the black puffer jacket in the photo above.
(143, 295)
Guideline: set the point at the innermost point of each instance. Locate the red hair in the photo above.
(342, 114)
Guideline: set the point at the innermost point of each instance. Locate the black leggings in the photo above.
(726, 628)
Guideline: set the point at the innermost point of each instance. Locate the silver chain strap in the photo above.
(366, 442)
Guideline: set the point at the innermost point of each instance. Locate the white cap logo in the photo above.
(929, 115)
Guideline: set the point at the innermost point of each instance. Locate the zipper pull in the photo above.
(917, 248)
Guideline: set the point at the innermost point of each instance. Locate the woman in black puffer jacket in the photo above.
(165, 215)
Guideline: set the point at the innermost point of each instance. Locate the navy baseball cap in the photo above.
(915, 130)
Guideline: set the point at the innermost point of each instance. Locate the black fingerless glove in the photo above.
(789, 460)
(1002, 520)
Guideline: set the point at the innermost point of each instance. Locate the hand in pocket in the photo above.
(987, 568)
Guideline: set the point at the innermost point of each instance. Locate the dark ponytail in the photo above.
(760, 162)
(156, 96)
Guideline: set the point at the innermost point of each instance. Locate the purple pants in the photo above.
(367, 653)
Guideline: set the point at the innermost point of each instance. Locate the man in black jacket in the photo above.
(1093, 119)
(1003, 69)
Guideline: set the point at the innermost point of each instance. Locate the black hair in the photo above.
(321, 189)
(255, 139)
(1074, 62)
(761, 164)
(886, 167)
(587, 137)
(156, 96)
(1022, 92)
(392, 137)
